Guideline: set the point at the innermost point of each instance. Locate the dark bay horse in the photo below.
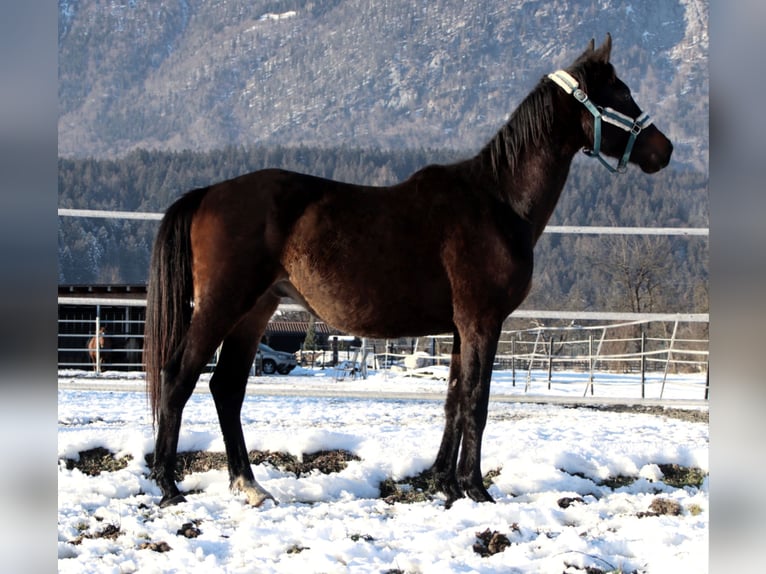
(447, 250)
(95, 344)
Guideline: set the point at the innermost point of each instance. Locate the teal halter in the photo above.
(567, 83)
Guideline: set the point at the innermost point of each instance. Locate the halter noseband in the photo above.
(567, 83)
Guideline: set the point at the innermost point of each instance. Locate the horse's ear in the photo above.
(591, 45)
(605, 50)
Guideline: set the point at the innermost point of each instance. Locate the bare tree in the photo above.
(637, 271)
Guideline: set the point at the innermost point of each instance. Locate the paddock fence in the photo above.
(592, 349)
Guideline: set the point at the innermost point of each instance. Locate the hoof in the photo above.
(447, 484)
(450, 501)
(479, 494)
(257, 500)
(172, 500)
(256, 495)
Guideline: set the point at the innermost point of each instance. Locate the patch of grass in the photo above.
(679, 476)
(694, 509)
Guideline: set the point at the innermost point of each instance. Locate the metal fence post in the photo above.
(643, 364)
(550, 361)
(707, 381)
(513, 361)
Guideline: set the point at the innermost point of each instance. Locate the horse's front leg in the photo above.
(444, 469)
(477, 362)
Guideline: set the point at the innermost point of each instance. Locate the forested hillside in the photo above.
(159, 97)
(390, 74)
(572, 272)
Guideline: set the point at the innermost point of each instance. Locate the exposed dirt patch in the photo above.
(325, 461)
(161, 546)
(419, 488)
(662, 507)
(189, 529)
(97, 460)
(491, 542)
(409, 490)
(690, 415)
(110, 531)
(568, 501)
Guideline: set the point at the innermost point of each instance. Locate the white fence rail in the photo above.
(624, 347)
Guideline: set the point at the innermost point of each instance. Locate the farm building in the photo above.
(120, 309)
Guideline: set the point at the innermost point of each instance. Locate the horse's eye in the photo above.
(624, 96)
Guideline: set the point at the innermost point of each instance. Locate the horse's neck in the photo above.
(536, 185)
(532, 182)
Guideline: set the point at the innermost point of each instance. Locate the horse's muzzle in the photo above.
(657, 152)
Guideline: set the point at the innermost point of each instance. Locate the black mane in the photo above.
(531, 122)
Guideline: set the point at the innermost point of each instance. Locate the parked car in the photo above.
(273, 361)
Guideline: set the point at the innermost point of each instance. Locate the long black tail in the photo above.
(169, 292)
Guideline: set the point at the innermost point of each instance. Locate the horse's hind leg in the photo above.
(179, 377)
(228, 386)
(175, 391)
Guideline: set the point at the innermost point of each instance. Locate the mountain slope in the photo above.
(188, 74)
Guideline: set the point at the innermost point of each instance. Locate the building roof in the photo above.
(103, 291)
(296, 327)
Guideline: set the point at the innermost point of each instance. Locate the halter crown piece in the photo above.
(567, 83)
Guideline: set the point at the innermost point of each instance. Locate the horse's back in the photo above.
(375, 261)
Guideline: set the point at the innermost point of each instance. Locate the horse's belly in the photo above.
(373, 305)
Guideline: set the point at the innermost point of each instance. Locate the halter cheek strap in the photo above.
(567, 83)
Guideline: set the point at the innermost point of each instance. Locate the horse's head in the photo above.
(610, 118)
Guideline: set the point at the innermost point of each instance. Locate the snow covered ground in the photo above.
(545, 454)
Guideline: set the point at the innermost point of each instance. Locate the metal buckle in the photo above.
(580, 96)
